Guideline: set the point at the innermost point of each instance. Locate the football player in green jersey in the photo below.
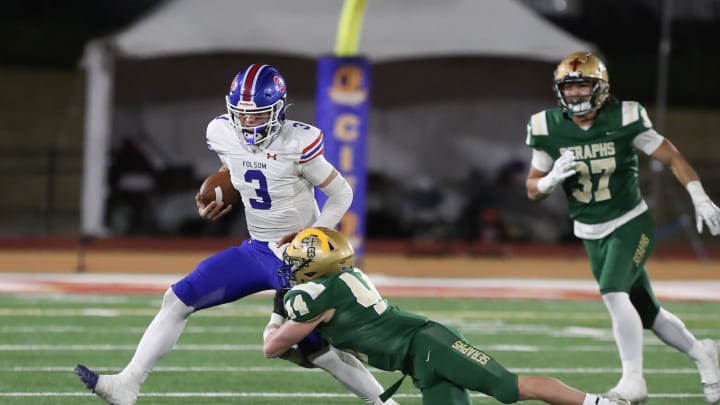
(342, 303)
(589, 147)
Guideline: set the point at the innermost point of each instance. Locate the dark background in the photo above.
(41, 46)
(46, 33)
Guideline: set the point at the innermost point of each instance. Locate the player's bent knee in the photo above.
(171, 302)
(506, 395)
(506, 389)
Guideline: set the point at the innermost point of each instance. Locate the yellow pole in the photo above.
(348, 36)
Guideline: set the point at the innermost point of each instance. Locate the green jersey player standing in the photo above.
(342, 303)
(589, 147)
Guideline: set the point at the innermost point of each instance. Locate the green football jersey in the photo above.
(363, 323)
(606, 184)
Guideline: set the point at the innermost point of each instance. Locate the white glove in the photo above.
(563, 168)
(706, 211)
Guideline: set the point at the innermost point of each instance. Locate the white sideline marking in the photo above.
(45, 347)
(484, 328)
(704, 290)
(238, 310)
(115, 331)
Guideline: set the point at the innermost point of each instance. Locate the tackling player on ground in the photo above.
(343, 304)
(589, 147)
(275, 164)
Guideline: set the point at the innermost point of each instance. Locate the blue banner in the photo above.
(342, 112)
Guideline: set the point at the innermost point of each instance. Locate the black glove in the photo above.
(278, 302)
(296, 356)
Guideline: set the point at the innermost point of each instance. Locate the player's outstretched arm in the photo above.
(278, 340)
(706, 212)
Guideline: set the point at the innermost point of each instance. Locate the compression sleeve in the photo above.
(340, 197)
(648, 141)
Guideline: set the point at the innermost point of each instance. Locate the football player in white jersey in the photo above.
(275, 164)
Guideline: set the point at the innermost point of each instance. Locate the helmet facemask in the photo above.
(581, 67)
(262, 125)
(581, 104)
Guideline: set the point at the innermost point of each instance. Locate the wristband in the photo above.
(696, 191)
(270, 329)
(546, 185)
(276, 319)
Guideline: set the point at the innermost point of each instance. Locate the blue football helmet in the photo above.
(256, 103)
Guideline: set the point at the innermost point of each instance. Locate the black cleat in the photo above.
(88, 377)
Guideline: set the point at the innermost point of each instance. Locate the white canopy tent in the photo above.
(393, 31)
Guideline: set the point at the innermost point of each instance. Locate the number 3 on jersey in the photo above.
(258, 180)
(605, 167)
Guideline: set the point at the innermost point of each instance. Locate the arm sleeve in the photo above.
(339, 192)
(316, 170)
(648, 141)
(340, 196)
(541, 160)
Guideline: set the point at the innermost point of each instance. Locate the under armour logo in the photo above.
(273, 156)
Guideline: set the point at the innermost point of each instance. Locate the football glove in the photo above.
(707, 212)
(294, 355)
(563, 168)
(279, 302)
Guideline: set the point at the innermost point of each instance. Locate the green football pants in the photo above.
(445, 366)
(618, 264)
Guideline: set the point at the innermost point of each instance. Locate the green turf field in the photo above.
(219, 361)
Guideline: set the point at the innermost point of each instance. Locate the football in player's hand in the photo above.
(218, 187)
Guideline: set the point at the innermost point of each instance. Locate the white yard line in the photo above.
(292, 369)
(269, 395)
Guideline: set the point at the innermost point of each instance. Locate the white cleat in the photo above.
(107, 387)
(709, 371)
(113, 392)
(634, 392)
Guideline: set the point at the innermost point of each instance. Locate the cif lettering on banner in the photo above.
(344, 117)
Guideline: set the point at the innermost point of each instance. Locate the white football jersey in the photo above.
(277, 182)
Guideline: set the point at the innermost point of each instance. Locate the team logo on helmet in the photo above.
(233, 84)
(281, 84)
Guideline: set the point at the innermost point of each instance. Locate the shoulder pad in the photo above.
(312, 147)
(633, 111)
(538, 124)
(630, 112)
(217, 132)
(300, 301)
(312, 289)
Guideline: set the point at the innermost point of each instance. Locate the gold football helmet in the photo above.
(314, 253)
(582, 67)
